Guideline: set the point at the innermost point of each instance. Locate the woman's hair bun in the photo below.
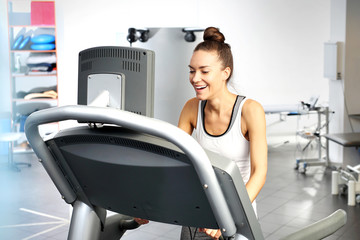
(213, 34)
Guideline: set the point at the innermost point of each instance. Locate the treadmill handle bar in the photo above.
(139, 123)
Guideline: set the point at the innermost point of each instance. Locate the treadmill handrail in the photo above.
(136, 122)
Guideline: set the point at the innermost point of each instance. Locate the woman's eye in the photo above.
(205, 72)
(191, 71)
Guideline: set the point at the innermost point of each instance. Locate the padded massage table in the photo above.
(349, 177)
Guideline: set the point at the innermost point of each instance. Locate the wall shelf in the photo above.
(31, 70)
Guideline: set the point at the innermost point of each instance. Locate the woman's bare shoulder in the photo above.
(192, 103)
(250, 105)
(190, 109)
(252, 111)
(254, 117)
(188, 115)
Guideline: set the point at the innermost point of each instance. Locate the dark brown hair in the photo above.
(214, 40)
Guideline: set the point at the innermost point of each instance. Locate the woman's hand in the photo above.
(214, 233)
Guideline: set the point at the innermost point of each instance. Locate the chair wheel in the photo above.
(357, 198)
(296, 165)
(303, 170)
(343, 189)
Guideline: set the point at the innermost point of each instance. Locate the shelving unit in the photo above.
(33, 62)
(316, 135)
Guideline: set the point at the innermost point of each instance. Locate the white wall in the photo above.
(352, 57)
(4, 59)
(99, 23)
(277, 45)
(344, 94)
(336, 88)
(172, 57)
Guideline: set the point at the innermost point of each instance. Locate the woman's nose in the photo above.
(195, 77)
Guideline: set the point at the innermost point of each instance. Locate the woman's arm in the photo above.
(255, 123)
(188, 116)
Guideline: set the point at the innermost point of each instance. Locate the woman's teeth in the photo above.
(201, 87)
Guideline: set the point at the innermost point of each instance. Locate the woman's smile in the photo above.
(200, 87)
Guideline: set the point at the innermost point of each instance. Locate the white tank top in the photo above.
(231, 144)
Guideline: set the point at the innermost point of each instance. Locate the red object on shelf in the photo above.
(43, 13)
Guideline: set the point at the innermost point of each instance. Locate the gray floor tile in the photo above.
(288, 202)
(269, 228)
(299, 222)
(276, 218)
(285, 194)
(285, 231)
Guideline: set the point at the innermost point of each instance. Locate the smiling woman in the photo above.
(207, 74)
(222, 122)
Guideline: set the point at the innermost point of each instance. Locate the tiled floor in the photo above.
(31, 208)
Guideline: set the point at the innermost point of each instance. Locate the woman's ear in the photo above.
(226, 73)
